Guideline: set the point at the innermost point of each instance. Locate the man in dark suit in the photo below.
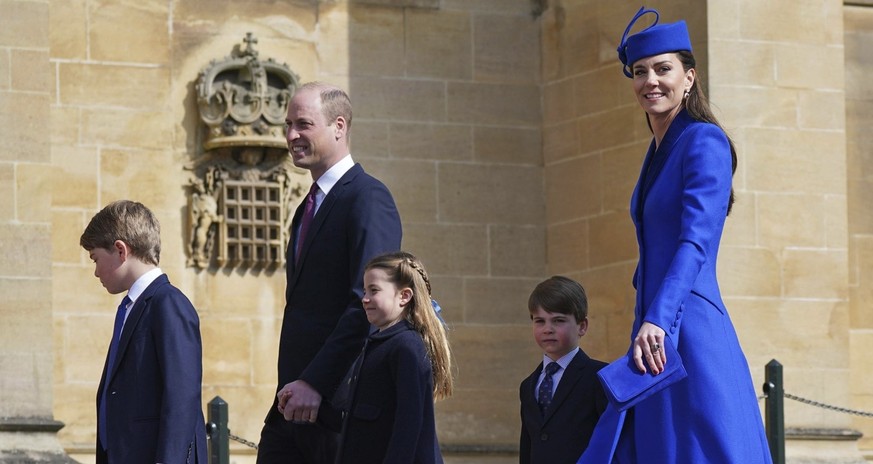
(347, 218)
(148, 401)
(562, 399)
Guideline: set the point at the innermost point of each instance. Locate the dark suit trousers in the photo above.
(285, 443)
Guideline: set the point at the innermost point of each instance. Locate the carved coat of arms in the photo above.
(244, 186)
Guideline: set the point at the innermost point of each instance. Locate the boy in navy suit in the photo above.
(148, 401)
(562, 399)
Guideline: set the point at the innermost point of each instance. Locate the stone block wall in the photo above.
(26, 175)
(25, 219)
(777, 82)
(447, 113)
(858, 21)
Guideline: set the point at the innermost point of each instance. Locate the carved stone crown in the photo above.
(243, 100)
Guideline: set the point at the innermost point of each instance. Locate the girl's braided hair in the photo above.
(406, 271)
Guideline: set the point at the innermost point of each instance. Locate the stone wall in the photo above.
(26, 354)
(447, 113)
(858, 22)
(776, 78)
(25, 219)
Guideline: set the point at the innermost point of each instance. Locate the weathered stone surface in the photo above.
(431, 141)
(502, 50)
(503, 104)
(829, 279)
(129, 31)
(113, 85)
(498, 301)
(25, 116)
(30, 70)
(74, 177)
(412, 183)
(24, 24)
(438, 44)
(7, 192)
(573, 189)
(25, 250)
(567, 246)
(460, 249)
(375, 39)
(68, 29)
(517, 250)
(386, 98)
(612, 239)
(508, 145)
(490, 193)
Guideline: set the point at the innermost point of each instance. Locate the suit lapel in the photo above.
(652, 167)
(290, 256)
(568, 381)
(133, 320)
(639, 192)
(321, 216)
(655, 165)
(531, 408)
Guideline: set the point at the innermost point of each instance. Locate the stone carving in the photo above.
(204, 217)
(244, 186)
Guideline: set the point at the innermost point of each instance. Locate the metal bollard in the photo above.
(217, 431)
(774, 411)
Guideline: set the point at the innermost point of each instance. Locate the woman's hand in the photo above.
(648, 346)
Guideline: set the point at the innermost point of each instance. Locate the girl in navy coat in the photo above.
(679, 207)
(404, 367)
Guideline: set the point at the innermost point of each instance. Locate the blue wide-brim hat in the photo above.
(653, 40)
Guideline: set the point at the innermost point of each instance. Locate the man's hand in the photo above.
(299, 402)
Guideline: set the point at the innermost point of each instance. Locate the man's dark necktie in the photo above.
(308, 214)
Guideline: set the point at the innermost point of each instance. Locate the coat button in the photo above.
(544, 437)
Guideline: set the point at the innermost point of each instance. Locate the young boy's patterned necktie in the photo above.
(544, 396)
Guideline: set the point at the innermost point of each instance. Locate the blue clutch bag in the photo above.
(625, 385)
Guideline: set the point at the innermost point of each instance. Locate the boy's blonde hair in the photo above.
(405, 271)
(130, 222)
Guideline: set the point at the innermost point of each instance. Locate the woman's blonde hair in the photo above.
(405, 270)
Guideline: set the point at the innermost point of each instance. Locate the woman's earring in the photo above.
(685, 96)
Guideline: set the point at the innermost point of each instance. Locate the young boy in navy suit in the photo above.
(562, 399)
(148, 401)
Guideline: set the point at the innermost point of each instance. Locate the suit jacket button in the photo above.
(544, 437)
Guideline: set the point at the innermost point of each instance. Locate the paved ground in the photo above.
(480, 459)
(249, 458)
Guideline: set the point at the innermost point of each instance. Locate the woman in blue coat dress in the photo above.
(679, 207)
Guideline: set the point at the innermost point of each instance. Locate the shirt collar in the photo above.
(563, 361)
(142, 283)
(333, 175)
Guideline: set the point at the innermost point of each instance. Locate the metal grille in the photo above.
(253, 221)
